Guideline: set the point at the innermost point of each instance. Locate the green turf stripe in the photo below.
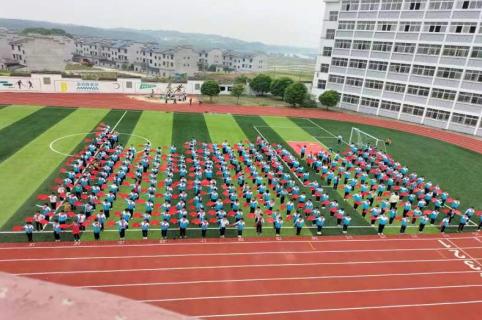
(189, 125)
(27, 168)
(223, 127)
(20, 133)
(155, 126)
(288, 130)
(12, 114)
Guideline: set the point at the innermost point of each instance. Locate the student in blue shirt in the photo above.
(28, 227)
(299, 223)
(278, 224)
(346, 223)
(96, 228)
(164, 228)
(444, 224)
(204, 228)
(392, 215)
(403, 225)
(382, 221)
(183, 223)
(240, 227)
(423, 221)
(145, 229)
(462, 223)
(57, 230)
(320, 222)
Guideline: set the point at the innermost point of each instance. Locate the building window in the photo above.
(429, 49)
(399, 68)
(414, 110)
(415, 5)
(441, 5)
(330, 34)
(386, 26)
(390, 106)
(326, 51)
(357, 63)
(404, 47)
(476, 52)
(418, 91)
(369, 5)
(333, 16)
(339, 62)
(410, 26)
(365, 25)
(369, 102)
(378, 65)
(437, 114)
(321, 84)
(336, 79)
(46, 81)
(349, 5)
(471, 4)
(443, 94)
(351, 99)
(324, 67)
(473, 75)
(423, 70)
(464, 119)
(394, 87)
(361, 45)
(346, 25)
(472, 98)
(461, 27)
(391, 4)
(374, 84)
(354, 82)
(129, 84)
(434, 27)
(382, 46)
(449, 73)
(343, 44)
(455, 51)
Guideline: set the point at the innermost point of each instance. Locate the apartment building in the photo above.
(244, 62)
(413, 60)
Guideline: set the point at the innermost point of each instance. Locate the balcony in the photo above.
(459, 38)
(432, 37)
(447, 83)
(453, 61)
(412, 14)
(426, 59)
(436, 14)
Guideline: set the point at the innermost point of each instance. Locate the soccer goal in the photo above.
(362, 139)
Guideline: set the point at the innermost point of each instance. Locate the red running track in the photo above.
(412, 277)
(118, 101)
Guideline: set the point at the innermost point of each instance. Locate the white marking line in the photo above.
(379, 275)
(225, 254)
(327, 131)
(465, 252)
(240, 266)
(395, 306)
(313, 293)
(321, 240)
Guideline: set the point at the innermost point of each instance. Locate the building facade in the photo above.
(413, 60)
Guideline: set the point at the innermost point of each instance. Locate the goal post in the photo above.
(362, 139)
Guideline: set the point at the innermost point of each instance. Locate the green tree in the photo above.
(329, 98)
(295, 93)
(212, 68)
(241, 79)
(210, 88)
(261, 83)
(278, 86)
(237, 90)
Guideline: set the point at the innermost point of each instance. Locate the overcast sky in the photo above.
(284, 22)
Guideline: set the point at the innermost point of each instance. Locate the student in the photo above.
(299, 224)
(346, 223)
(53, 201)
(423, 221)
(403, 225)
(480, 223)
(121, 227)
(57, 230)
(259, 221)
(28, 227)
(145, 229)
(96, 228)
(204, 228)
(339, 139)
(164, 228)
(76, 232)
(394, 198)
(382, 221)
(37, 218)
(320, 222)
(444, 224)
(278, 224)
(240, 227)
(222, 227)
(462, 223)
(183, 223)
(302, 152)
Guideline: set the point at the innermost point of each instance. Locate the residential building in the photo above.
(244, 62)
(413, 60)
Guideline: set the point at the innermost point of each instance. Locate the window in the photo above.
(423, 70)
(324, 67)
(472, 98)
(414, 110)
(349, 5)
(391, 4)
(343, 44)
(333, 16)
(382, 46)
(449, 73)
(476, 52)
(463, 27)
(443, 94)
(359, 64)
(455, 51)
(434, 27)
(473, 75)
(346, 25)
(386, 26)
(471, 4)
(378, 65)
(374, 84)
(365, 25)
(399, 68)
(321, 84)
(354, 82)
(390, 106)
(369, 102)
(336, 79)
(394, 87)
(429, 49)
(410, 26)
(351, 99)
(418, 90)
(326, 51)
(369, 5)
(361, 45)
(339, 62)
(404, 47)
(415, 5)
(441, 5)
(464, 119)
(437, 114)
(330, 34)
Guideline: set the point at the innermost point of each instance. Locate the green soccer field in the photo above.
(36, 142)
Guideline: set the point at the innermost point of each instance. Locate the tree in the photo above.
(329, 98)
(295, 93)
(278, 86)
(212, 68)
(210, 88)
(261, 83)
(237, 90)
(241, 79)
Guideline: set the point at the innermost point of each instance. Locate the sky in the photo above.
(281, 22)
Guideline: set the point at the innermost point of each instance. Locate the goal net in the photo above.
(363, 139)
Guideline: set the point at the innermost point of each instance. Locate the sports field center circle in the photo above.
(52, 144)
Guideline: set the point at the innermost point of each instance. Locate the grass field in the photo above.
(29, 166)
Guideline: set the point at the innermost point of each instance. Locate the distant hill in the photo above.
(165, 38)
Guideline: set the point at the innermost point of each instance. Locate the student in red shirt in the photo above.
(76, 232)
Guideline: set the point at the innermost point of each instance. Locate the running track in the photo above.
(118, 101)
(424, 277)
